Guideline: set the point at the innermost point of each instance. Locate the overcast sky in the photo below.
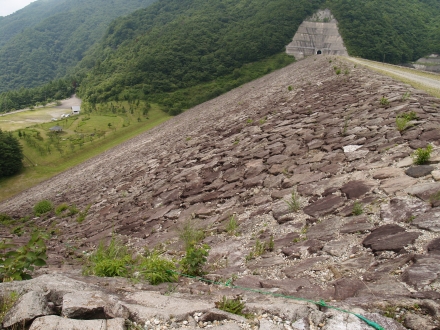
(7, 7)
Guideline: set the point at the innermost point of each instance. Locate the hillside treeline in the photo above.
(394, 31)
(178, 53)
(46, 50)
(176, 45)
(28, 97)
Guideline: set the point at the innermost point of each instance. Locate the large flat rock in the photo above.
(403, 209)
(324, 206)
(424, 272)
(429, 220)
(424, 190)
(146, 305)
(60, 323)
(29, 306)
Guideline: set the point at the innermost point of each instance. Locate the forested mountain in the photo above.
(398, 31)
(178, 53)
(174, 45)
(28, 17)
(45, 39)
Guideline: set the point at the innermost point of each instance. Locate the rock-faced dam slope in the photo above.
(367, 230)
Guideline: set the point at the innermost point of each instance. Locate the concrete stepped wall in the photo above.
(317, 35)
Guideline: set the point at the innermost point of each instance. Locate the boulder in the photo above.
(92, 305)
(356, 189)
(28, 307)
(419, 171)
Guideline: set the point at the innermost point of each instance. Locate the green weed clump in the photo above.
(406, 96)
(384, 101)
(6, 302)
(61, 208)
(234, 305)
(293, 202)
(260, 248)
(190, 235)
(82, 215)
(402, 120)
(156, 269)
(358, 208)
(5, 219)
(232, 226)
(401, 124)
(42, 207)
(109, 261)
(422, 155)
(116, 259)
(195, 259)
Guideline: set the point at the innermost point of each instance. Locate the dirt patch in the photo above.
(69, 103)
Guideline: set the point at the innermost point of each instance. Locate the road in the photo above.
(429, 80)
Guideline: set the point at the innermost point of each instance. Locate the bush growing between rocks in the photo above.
(384, 101)
(260, 248)
(42, 207)
(18, 264)
(358, 208)
(194, 260)
(293, 202)
(5, 219)
(61, 208)
(403, 119)
(117, 259)
(157, 270)
(422, 155)
(190, 235)
(82, 215)
(234, 305)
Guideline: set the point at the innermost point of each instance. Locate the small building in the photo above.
(56, 129)
(76, 110)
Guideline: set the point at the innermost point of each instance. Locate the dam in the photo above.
(318, 34)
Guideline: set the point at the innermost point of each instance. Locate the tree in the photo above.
(11, 154)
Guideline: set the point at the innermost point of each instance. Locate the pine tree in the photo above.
(11, 154)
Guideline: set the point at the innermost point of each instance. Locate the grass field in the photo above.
(20, 120)
(82, 137)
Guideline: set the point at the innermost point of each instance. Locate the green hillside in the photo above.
(28, 17)
(178, 53)
(174, 46)
(398, 31)
(55, 39)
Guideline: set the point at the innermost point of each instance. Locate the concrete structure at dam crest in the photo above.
(318, 34)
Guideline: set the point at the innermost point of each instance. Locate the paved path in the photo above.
(417, 76)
